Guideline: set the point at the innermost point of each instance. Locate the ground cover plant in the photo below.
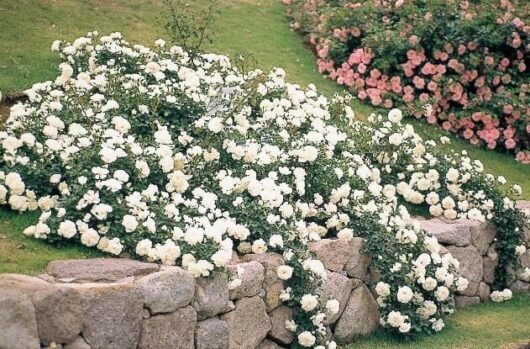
(181, 160)
(459, 64)
(303, 75)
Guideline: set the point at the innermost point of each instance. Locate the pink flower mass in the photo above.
(481, 93)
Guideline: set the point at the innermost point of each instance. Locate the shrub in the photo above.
(142, 151)
(460, 64)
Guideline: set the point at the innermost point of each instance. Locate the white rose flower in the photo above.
(309, 302)
(501, 296)
(130, 223)
(233, 284)
(441, 293)
(89, 237)
(520, 250)
(15, 184)
(395, 318)
(404, 327)
(438, 325)
(452, 175)
(308, 154)
(448, 203)
(382, 289)
(55, 178)
(395, 116)
(345, 234)
(306, 339)
(395, 139)
(108, 155)
(215, 125)
(284, 272)
(221, 258)
(291, 325)
(404, 294)
(114, 246)
(436, 210)
(332, 306)
(461, 284)
(178, 182)
(193, 236)
(429, 284)
(276, 241)
(67, 229)
(259, 246)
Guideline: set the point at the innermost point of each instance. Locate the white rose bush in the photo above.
(184, 161)
(449, 185)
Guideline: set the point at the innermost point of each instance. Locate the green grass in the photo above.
(28, 28)
(20, 254)
(485, 326)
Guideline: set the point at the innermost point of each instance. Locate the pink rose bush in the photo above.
(461, 65)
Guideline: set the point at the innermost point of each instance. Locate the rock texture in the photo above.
(463, 301)
(471, 267)
(251, 275)
(336, 286)
(456, 233)
(113, 315)
(357, 265)
(360, 317)
(272, 284)
(77, 343)
(59, 314)
(168, 290)
(267, 344)
(98, 269)
(278, 331)
(248, 323)
(211, 295)
(211, 334)
(333, 253)
(18, 326)
(520, 287)
(175, 330)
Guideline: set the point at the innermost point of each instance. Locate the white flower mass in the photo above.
(182, 160)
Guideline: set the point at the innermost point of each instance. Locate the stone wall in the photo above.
(473, 244)
(120, 303)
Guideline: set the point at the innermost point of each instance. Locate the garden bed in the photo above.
(184, 160)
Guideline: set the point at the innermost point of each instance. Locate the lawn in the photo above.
(28, 27)
(485, 326)
(19, 254)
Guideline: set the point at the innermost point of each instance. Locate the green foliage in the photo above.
(189, 27)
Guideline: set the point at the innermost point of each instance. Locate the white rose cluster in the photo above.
(501, 296)
(183, 163)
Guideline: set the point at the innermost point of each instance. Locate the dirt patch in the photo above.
(4, 112)
(6, 103)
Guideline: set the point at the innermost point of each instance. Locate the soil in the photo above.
(6, 103)
(4, 112)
